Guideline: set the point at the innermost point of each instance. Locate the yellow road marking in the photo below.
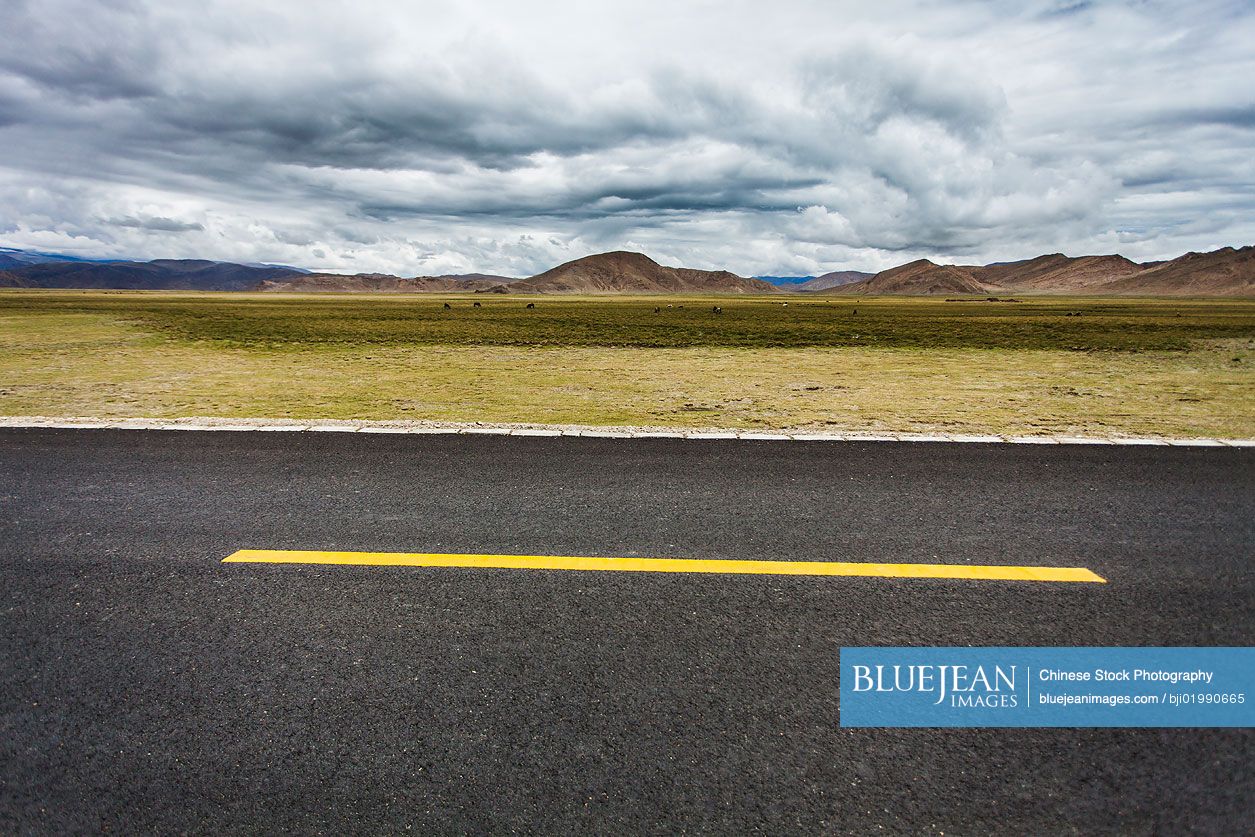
(665, 565)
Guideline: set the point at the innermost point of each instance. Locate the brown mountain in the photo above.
(1224, 272)
(11, 280)
(1056, 272)
(624, 272)
(920, 277)
(384, 283)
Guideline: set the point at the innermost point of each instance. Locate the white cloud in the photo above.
(791, 137)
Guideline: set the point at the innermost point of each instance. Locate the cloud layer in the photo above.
(790, 137)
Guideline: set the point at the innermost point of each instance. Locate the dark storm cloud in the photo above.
(371, 128)
(449, 111)
(157, 224)
(1231, 115)
(354, 117)
(691, 193)
(815, 133)
(101, 52)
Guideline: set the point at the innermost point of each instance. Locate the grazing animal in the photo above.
(476, 305)
(658, 310)
(531, 305)
(448, 307)
(855, 310)
(717, 310)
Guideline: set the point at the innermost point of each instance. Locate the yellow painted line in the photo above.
(665, 565)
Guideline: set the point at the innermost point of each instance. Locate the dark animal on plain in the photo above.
(475, 305)
(448, 307)
(855, 310)
(717, 310)
(657, 309)
(531, 305)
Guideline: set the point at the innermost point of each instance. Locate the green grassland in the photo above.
(1042, 364)
(274, 321)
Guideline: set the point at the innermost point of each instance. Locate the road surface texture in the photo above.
(147, 687)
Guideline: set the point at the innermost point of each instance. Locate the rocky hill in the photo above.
(1055, 273)
(1224, 272)
(624, 272)
(920, 277)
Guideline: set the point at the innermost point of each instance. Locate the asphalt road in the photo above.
(147, 687)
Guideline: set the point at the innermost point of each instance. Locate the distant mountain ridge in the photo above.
(1228, 271)
(786, 282)
(13, 255)
(384, 283)
(159, 274)
(24, 269)
(835, 279)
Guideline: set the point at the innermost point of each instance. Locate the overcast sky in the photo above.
(781, 137)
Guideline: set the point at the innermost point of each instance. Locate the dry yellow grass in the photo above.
(85, 364)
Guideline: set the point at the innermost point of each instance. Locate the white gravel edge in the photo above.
(333, 426)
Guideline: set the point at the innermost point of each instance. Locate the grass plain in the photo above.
(1040, 365)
